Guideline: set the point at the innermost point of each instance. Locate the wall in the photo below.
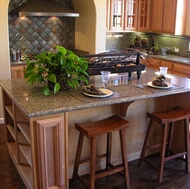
(188, 19)
(90, 26)
(4, 47)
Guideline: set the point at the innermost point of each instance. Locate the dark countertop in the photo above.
(33, 103)
(174, 58)
(169, 57)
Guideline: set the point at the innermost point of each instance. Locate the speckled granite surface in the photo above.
(174, 58)
(33, 103)
(170, 57)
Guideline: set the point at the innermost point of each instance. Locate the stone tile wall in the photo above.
(37, 34)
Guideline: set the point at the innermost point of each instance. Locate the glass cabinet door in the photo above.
(128, 15)
(116, 14)
(131, 14)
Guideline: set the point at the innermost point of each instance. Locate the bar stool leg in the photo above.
(162, 153)
(108, 150)
(171, 128)
(143, 152)
(187, 145)
(77, 158)
(92, 162)
(124, 158)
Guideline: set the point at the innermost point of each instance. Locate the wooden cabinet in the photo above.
(37, 146)
(182, 70)
(144, 15)
(168, 16)
(173, 67)
(17, 71)
(168, 64)
(153, 63)
(18, 140)
(128, 15)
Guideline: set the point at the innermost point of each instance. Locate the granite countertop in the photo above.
(174, 58)
(33, 103)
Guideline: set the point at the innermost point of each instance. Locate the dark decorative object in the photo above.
(115, 62)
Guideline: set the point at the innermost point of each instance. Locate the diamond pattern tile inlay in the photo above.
(37, 34)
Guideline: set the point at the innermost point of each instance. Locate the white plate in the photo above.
(158, 87)
(106, 91)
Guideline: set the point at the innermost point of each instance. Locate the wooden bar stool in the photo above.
(92, 130)
(167, 119)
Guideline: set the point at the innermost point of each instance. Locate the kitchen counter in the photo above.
(26, 95)
(174, 58)
(42, 128)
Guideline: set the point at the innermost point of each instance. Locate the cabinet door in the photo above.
(169, 16)
(153, 63)
(52, 149)
(116, 17)
(156, 15)
(167, 64)
(17, 71)
(144, 15)
(122, 15)
(131, 15)
(181, 70)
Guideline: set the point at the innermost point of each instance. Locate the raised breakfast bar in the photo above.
(41, 137)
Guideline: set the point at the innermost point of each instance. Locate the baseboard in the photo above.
(1, 120)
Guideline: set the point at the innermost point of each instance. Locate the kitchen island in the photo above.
(41, 137)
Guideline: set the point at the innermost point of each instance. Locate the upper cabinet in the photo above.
(144, 15)
(128, 15)
(168, 16)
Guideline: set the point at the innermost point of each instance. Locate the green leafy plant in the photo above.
(59, 70)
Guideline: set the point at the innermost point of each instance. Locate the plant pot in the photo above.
(63, 86)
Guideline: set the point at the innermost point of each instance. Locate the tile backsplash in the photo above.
(124, 40)
(32, 35)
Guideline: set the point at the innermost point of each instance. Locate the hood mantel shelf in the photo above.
(44, 8)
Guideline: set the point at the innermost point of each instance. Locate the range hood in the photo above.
(44, 8)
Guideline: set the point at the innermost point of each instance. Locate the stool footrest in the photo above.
(97, 158)
(149, 163)
(174, 156)
(153, 146)
(109, 172)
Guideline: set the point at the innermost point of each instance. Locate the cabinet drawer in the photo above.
(153, 63)
(17, 71)
(182, 70)
(167, 64)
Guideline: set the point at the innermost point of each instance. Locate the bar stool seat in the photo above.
(92, 130)
(167, 119)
